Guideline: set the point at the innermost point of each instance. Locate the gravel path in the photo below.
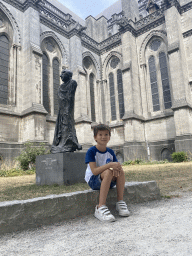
(154, 228)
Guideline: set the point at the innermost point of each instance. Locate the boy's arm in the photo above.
(116, 166)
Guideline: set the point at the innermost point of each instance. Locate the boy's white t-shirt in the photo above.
(101, 158)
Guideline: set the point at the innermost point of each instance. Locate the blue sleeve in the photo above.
(90, 155)
(113, 154)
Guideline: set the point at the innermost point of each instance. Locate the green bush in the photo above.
(179, 157)
(27, 157)
(138, 161)
(127, 163)
(130, 162)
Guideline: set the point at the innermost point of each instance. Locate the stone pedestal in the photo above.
(60, 168)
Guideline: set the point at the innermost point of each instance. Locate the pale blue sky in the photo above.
(84, 8)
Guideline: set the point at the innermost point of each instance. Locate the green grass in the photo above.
(15, 172)
(172, 179)
(32, 191)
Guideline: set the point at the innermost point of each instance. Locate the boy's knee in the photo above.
(107, 174)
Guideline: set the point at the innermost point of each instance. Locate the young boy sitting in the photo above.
(104, 172)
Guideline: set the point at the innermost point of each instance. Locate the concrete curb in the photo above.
(32, 213)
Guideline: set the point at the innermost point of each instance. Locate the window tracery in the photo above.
(158, 72)
(120, 93)
(92, 96)
(56, 83)
(52, 59)
(154, 85)
(46, 97)
(115, 85)
(112, 96)
(4, 69)
(90, 69)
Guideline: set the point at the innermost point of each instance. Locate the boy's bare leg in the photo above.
(120, 186)
(106, 177)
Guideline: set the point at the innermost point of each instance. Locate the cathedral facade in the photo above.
(132, 64)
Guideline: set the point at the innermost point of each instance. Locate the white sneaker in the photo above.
(102, 213)
(121, 207)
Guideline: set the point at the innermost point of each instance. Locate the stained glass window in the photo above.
(165, 80)
(155, 44)
(87, 62)
(154, 85)
(112, 96)
(56, 83)
(46, 83)
(114, 62)
(120, 93)
(92, 96)
(4, 68)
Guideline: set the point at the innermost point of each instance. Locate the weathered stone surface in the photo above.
(33, 213)
(60, 168)
(35, 30)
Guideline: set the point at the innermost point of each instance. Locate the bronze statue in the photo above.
(65, 139)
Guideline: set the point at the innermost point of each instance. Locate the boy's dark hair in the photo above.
(101, 127)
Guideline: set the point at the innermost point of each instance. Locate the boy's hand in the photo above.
(116, 168)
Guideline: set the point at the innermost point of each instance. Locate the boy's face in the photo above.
(102, 137)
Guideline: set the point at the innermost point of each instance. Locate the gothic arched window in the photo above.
(112, 96)
(154, 85)
(46, 101)
(56, 82)
(4, 69)
(92, 96)
(165, 80)
(120, 93)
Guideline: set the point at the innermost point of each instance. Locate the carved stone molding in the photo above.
(58, 41)
(36, 49)
(126, 67)
(151, 26)
(110, 43)
(109, 56)
(186, 7)
(63, 23)
(17, 33)
(89, 54)
(187, 33)
(158, 33)
(149, 19)
(131, 115)
(15, 3)
(173, 47)
(181, 103)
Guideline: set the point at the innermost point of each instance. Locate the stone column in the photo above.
(127, 88)
(107, 104)
(134, 146)
(33, 123)
(131, 84)
(75, 53)
(13, 75)
(144, 92)
(82, 104)
(180, 82)
(31, 46)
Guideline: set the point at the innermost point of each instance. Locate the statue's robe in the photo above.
(65, 139)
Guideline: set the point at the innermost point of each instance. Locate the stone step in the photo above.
(33, 213)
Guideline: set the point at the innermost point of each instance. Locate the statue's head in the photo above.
(66, 75)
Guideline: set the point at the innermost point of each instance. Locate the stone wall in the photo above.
(142, 132)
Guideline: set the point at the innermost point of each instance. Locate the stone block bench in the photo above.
(32, 213)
